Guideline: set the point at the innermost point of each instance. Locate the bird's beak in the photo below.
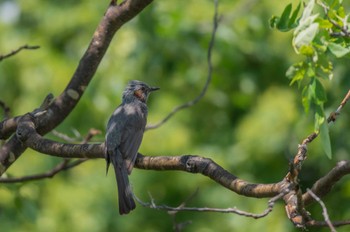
(154, 89)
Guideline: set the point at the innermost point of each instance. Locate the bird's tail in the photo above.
(125, 196)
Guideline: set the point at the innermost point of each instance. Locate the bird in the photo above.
(124, 135)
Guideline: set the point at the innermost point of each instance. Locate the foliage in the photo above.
(318, 37)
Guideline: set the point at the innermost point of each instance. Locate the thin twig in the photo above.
(324, 210)
(188, 104)
(176, 225)
(14, 52)
(63, 136)
(65, 165)
(294, 203)
(234, 210)
(302, 148)
(335, 114)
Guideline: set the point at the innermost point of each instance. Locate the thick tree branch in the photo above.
(66, 164)
(207, 167)
(115, 17)
(28, 136)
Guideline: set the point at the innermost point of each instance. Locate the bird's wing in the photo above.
(131, 139)
(115, 128)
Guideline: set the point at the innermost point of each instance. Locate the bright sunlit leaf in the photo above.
(338, 50)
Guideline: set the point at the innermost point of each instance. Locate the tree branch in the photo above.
(115, 17)
(66, 164)
(295, 200)
(63, 166)
(324, 210)
(14, 52)
(324, 185)
(233, 210)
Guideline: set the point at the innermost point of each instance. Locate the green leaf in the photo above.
(319, 117)
(296, 73)
(274, 21)
(324, 68)
(292, 21)
(318, 92)
(338, 50)
(306, 50)
(307, 11)
(325, 139)
(305, 37)
(283, 22)
(324, 24)
(306, 99)
(307, 29)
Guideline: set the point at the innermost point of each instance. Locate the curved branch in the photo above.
(115, 17)
(28, 136)
(207, 167)
(324, 185)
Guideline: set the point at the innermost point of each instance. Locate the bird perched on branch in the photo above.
(123, 138)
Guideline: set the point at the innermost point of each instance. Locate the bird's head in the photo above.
(137, 90)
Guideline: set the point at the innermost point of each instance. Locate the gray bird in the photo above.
(123, 138)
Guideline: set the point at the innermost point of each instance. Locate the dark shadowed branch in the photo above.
(325, 184)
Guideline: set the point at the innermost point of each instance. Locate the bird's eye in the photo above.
(143, 88)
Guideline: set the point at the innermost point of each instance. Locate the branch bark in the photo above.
(115, 17)
(28, 136)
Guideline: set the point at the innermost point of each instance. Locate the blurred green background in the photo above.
(250, 121)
